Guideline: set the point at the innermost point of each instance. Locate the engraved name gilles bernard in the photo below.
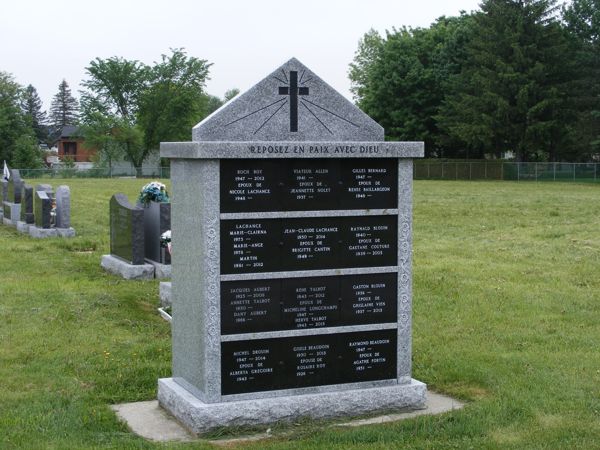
(307, 184)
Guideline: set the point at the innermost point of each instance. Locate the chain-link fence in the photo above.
(74, 172)
(499, 170)
(423, 170)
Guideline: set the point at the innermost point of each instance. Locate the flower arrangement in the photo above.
(165, 240)
(153, 192)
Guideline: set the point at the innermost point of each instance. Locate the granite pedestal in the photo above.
(117, 266)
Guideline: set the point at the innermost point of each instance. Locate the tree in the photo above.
(13, 122)
(175, 100)
(32, 107)
(230, 93)
(129, 107)
(511, 93)
(109, 108)
(582, 19)
(27, 153)
(64, 108)
(401, 81)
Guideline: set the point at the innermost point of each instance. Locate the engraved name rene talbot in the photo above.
(292, 278)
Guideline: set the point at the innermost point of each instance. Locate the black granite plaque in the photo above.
(250, 306)
(250, 246)
(307, 302)
(371, 298)
(270, 245)
(310, 302)
(157, 220)
(249, 185)
(304, 361)
(369, 241)
(369, 183)
(307, 184)
(310, 243)
(126, 230)
(310, 185)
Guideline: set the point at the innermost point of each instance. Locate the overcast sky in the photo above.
(44, 41)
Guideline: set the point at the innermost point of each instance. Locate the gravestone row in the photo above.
(135, 230)
(291, 289)
(37, 211)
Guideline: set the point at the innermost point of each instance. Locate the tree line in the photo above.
(126, 109)
(516, 76)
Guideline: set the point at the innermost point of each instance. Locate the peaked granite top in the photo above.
(290, 104)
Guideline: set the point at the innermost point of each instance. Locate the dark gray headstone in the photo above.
(126, 230)
(157, 220)
(43, 209)
(15, 184)
(4, 190)
(63, 207)
(27, 204)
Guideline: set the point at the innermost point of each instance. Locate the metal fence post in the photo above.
(470, 171)
(428, 171)
(554, 170)
(502, 171)
(574, 171)
(485, 171)
(535, 171)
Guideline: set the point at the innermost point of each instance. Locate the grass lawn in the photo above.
(506, 317)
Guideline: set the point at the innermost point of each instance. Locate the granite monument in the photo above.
(292, 275)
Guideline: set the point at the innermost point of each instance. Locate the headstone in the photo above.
(27, 204)
(126, 230)
(12, 204)
(15, 185)
(63, 207)
(26, 219)
(126, 241)
(4, 190)
(292, 271)
(157, 220)
(43, 209)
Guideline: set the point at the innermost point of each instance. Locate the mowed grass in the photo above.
(506, 317)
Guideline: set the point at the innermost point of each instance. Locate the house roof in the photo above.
(69, 131)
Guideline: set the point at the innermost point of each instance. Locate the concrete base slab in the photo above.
(150, 421)
(41, 233)
(128, 271)
(436, 404)
(66, 232)
(164, 293)
(161, 271)
(8, 222)
(23, 227)
(200, 417)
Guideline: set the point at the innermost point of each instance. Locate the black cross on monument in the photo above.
(293, 91)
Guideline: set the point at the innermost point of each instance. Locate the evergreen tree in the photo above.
(64, 108)
(27, 154)
(401, 81)
(582, 18)
(512, 91)
(32, 107)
